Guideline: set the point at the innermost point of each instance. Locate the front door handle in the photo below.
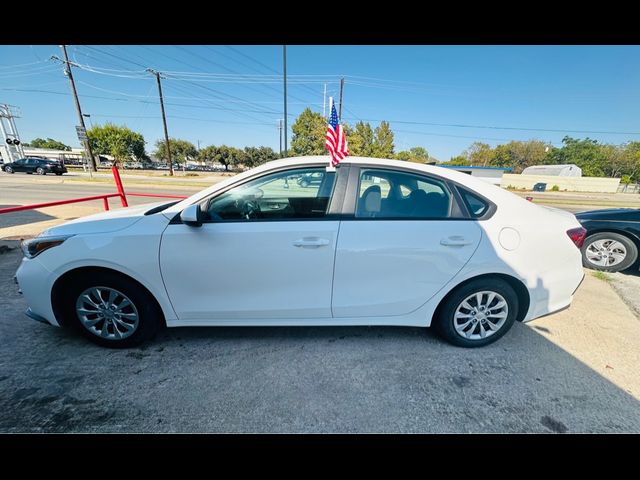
(455, 241)
(311, 242)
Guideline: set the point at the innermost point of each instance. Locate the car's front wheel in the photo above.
(477, 313)
(8, 169)
(111, 310)
(609, 252)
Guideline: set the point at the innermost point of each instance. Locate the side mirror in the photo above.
(192, 216)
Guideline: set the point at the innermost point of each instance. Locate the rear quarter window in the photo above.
(476, 205)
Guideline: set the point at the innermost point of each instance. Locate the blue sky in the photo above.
(233, 94)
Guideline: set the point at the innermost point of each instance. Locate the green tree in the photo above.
(587, 154)
(255, 156)
(48, 143)
(360, 140)
(415, 154)
(460, 160)
(632, 160)
(479, 154)
(181, 150)
(519, 155)
(120, 142)
(224, 155)
(309, 131)
(383, 141)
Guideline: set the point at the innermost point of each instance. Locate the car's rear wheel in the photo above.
(609, 252)
(477, 313)
(8, 169)
(111, 310)
(304, 183)
(58, 173)
(40, 171)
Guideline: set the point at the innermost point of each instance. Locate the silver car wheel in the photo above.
(480, 315)
(605, 252)
(107, 313)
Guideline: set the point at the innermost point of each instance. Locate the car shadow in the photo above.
(24, 217)
(312, 379)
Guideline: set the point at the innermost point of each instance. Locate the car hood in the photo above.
(625, 214)
(110, 221)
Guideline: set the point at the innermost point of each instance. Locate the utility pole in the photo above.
(69, 73)
(280, 135)
(324, 102)
(284, 78)
(164, 119)
(340, 104)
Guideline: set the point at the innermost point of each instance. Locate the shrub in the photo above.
(555, 188)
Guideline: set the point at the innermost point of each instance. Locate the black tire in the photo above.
(8, 169)
(629, 260)
(40, 171)
(148, 311)
(443, 321)
(58, 174)
(304, 183)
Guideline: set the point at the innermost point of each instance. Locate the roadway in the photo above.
(19, 189)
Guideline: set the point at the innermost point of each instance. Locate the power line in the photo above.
(493, 127)
(23, 64)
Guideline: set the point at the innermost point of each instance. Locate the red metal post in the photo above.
(54, 204)
(106, 203)
(116, 177)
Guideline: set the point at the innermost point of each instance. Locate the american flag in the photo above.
(335, 141)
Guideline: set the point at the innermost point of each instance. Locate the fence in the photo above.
(105, 197)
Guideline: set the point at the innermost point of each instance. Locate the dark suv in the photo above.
(41, 166)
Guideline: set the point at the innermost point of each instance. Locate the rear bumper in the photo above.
(554, 290)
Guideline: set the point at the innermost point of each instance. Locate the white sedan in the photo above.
(374, 242)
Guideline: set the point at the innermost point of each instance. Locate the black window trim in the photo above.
(459, 210)
(491, 207)
(333, 211)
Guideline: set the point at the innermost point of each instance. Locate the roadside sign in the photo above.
(82, 134)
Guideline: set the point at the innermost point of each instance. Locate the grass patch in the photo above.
(604, 276)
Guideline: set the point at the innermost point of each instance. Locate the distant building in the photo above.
(488, 174)
(569, 170)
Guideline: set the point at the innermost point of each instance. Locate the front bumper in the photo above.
(34, 316)
(34, 283)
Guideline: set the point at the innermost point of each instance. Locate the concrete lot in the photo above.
(575, 371)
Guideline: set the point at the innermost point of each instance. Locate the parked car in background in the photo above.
(418, 246)
(306, 180)
(613, 238)
(38, 165)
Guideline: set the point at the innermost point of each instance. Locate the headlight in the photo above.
(34, 247)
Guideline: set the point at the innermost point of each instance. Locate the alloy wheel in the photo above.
(107, 313)
(480, 315)
(606, 252)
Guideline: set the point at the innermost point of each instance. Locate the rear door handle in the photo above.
(455, 241)
(311, 242)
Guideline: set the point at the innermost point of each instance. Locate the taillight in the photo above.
(577, 236)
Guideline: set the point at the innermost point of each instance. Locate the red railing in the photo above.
(104, 197)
